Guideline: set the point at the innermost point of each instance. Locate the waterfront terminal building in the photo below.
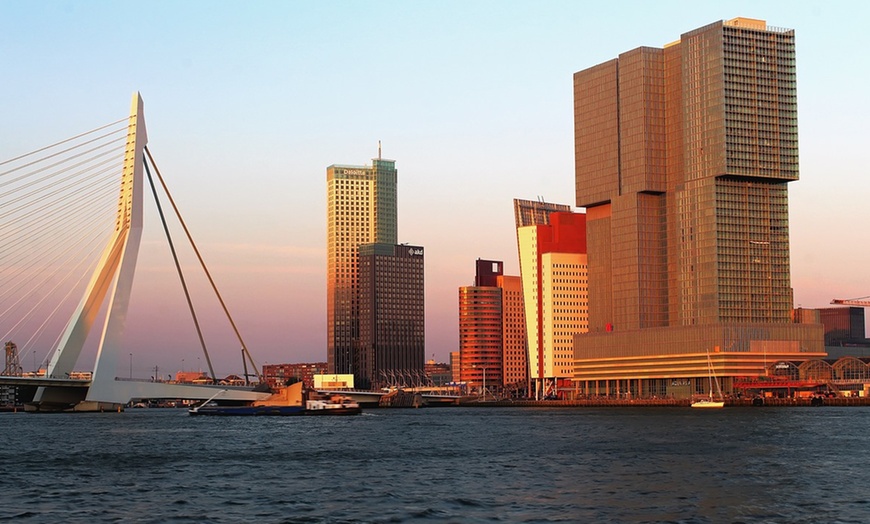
(683, 156)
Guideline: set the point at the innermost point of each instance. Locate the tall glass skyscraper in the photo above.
(682, 156)
(361, 209)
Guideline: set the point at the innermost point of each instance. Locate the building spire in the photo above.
(379, 149)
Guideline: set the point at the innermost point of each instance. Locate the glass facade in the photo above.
(391, 314)
(683, 155)
(481, 340)
(361, 209)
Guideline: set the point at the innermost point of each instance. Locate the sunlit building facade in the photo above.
(515, 362)
(492, 338)
(361, 209)
(480, 335)
(536, 212)
(277, 375)
(553, 264)
(481, 342)
(682, 157)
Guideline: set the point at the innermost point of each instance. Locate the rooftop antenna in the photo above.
(379, 149)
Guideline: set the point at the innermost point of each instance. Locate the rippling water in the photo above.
(441, 465)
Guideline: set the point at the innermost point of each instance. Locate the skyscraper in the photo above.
(361, 209)
(553, 264)
(481, 342)
(682, 156)
(391, 315)
(515, 358)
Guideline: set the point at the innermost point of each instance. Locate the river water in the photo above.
(461, 465)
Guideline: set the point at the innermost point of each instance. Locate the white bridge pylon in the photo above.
(115, 271)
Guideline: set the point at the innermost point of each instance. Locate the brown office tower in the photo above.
(682, 157)
(391, 346)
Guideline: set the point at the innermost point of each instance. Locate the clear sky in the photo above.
(248, 102)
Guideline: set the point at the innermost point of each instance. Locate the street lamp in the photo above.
(131, 366)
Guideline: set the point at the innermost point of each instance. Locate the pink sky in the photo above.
(248, 106)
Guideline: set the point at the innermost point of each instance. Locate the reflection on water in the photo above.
(444, 464)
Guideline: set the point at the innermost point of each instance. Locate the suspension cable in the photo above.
(180, 273)
(19, 157)
(245, 351)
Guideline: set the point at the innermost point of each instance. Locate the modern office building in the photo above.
(515, 361)
(553, 264)
(492, 337)
(391, 315)
(535, 212)
(845, 334)
(843, 325)
(361, 209)
(481, 342)
(683, 155)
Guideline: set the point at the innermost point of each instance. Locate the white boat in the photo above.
(710, 402)
(332, 405)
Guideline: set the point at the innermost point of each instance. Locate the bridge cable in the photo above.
(245, 351)
(46, 193)
(25, 155)
(180, 273)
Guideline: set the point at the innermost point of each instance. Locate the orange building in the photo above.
(683, 155)
(492, 340)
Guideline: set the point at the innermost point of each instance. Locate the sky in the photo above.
(247, 103)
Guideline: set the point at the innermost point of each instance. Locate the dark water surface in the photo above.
(441, 465)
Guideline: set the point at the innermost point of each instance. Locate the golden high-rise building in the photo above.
(682, 156)
(361, 209)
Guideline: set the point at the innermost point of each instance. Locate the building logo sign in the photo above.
(415, 252)
(353, 172)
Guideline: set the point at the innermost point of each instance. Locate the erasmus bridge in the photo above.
(71, 223)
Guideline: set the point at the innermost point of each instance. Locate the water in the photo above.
(441, 465)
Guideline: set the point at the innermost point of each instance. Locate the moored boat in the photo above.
(711, 402)
(333, 405)
(291, 400)
(707, 403)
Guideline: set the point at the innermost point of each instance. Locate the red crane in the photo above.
(860, 302)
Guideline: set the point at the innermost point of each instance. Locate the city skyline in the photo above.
(246, 106)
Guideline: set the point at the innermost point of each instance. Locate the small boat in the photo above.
(334, 405)
(710, 402)
(287, 401)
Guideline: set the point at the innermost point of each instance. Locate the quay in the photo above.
(669, 402)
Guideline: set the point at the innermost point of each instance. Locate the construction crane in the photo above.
(859, 302)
